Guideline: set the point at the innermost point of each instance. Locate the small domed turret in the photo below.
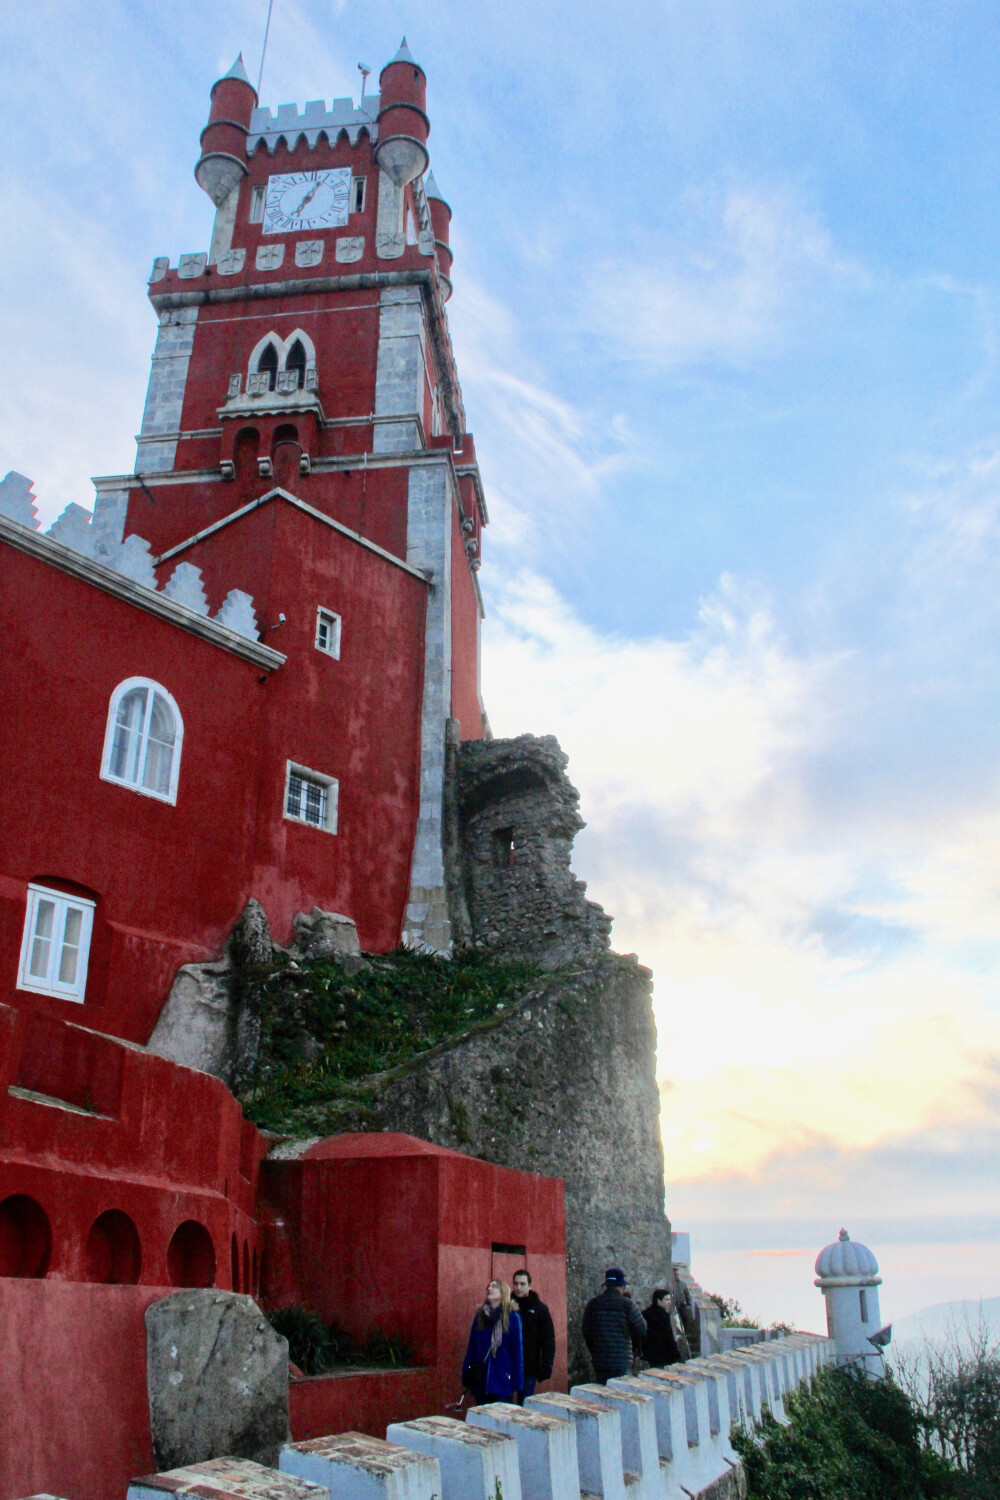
(223, 161)
(403, 126)
(846, 1258)
(440, 214)
(847, 1275)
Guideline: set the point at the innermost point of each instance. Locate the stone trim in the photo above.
(121, 587)
(359, 281)
(317, 515)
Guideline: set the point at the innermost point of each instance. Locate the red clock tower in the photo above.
(304, 430)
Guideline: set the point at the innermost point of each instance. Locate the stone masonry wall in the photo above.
(518, 815)
(565, 1085)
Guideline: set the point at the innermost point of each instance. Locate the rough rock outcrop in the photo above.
(217, 1375)
(207, 1022)
(564, 1085)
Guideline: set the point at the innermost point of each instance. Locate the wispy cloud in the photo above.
(721, 287)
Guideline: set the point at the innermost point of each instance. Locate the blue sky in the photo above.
(726, 299)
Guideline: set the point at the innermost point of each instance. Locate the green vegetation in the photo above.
(324, 1032)
(318, 1348)
(850, 1438)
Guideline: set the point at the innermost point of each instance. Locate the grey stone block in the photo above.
(217, 1375)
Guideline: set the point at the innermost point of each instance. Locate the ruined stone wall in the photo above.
(518, 814)
(565, 1085)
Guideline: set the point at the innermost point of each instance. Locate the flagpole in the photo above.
(263, 50)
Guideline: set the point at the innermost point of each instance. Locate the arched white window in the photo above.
(142, 745)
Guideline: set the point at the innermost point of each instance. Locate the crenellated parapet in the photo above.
(131, 557)
(292, 128)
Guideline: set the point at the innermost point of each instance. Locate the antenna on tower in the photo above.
(364, 70)
(263, 50)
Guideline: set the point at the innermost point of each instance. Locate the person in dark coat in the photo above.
(660, 1346)
(537, 1331)
(611, 1322)
(494, 1361)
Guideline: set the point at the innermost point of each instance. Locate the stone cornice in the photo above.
(153, 602)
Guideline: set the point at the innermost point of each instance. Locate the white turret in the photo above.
(847, 1275)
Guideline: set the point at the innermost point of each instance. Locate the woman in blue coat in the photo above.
(494, 1361)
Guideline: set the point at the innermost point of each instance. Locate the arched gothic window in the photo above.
(268, 365)
(296, 361)
(142, 744)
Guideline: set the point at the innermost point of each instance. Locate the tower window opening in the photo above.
(864, 1305)
(257, 198)
(311, 798)
(268, 365)
(296, 363)
(357, 195)
(503, 848)
(328, 632)
(56, 943)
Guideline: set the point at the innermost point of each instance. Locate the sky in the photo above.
(726, 302)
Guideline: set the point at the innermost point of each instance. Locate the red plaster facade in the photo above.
(304, 445)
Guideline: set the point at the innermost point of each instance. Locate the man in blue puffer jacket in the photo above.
(494, 1361)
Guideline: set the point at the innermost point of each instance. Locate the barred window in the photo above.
(142, 744)
(311, 797)
(306, 800)
(56, 943)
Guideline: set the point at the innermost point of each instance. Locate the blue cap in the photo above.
(614, 1276)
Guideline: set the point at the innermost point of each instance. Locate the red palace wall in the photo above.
(400, 1235)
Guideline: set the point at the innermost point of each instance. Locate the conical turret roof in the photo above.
(403, 55)
(431, 188)
(238, 71)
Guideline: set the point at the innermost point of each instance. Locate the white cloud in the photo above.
(722, 288)
(806, 987)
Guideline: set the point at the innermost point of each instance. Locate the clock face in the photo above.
(307, 200)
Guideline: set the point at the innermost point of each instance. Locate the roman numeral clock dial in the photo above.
(307, 200)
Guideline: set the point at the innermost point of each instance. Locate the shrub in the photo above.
(849, 1438)
(309, 1343)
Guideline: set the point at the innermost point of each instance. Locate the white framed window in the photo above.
(56, 944)
(311, 797)
(328, 632)
(357, 195)
(257, 197)
(142, 743)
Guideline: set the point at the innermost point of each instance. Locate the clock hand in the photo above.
(308, 197)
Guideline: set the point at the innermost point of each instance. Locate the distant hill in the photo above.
(935, 1324)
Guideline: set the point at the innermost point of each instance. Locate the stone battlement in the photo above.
(315, 120)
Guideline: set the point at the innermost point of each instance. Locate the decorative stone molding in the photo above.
(16, 499)
(190, 266)
(74, 529)
(308, 252)
(231, 262)
(161, 265)
(350, 248)
(184, 587)
(269, 257)
(237, 613)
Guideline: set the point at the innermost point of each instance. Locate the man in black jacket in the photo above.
(537, 1332)
(612, 1325)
